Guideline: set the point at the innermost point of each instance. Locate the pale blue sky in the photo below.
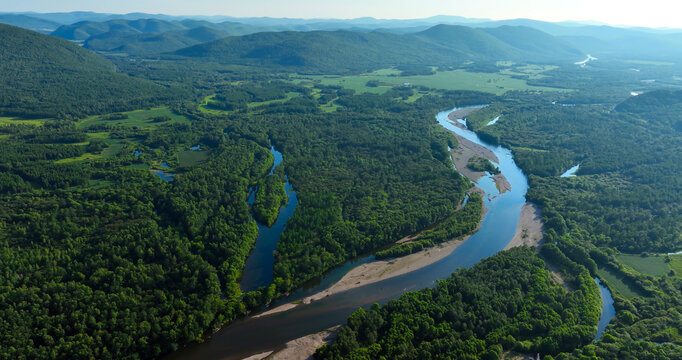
(653, 13)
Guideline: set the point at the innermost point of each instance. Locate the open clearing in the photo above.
(497, 83)
(191, 158)
(138, 118)
(653, 265)
(616, 283)
(17, 121)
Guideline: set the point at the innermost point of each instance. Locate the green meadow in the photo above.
(497, 83)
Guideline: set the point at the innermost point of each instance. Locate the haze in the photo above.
(652, 13)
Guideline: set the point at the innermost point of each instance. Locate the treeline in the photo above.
(461, 222)
(477, 163)
(506, 302)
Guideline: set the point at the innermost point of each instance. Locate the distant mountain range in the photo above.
(342, 51)
(152, 34)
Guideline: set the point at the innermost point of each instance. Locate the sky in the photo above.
(650, 13)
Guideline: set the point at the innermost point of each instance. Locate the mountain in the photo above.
(534, 42)
(28, 22)
(607, 42)
(146, 44)
(345, 51)
(86, 29)
(43, 76)
(67, 17)
(469, 40)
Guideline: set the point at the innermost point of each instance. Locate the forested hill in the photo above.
(142, 44)
(43, 76)
(330, 51)
(84, 30)
(662, 108)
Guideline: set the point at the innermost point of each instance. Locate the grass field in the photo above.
(113, 150)
(86, 156)
(446, 80)
(650, 265)
(17, 121)
(203, 107)
(191, 158)
(616, 283)
(648, 62)
(139, 118)
(676, 264)
(529, 71)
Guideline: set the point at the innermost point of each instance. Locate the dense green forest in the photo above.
(44, 77)
(101, 257)
(508, 301)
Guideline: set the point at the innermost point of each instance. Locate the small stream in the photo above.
(607, 309)
(259, 265)
(571, 172)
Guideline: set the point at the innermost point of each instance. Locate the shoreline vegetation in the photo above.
(528, 232)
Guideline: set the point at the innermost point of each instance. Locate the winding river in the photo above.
(259, 265)
(259, 334)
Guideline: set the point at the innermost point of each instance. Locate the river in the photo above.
(256, 335)
(259, 266)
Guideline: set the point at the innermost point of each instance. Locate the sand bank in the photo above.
(530, 227)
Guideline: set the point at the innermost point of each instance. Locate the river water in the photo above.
(259, 266)
(255, 335)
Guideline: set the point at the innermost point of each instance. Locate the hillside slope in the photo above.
(42, 76)
(85, 29)
(345, 51)
(144, 44)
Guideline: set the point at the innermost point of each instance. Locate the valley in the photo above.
(178, 187)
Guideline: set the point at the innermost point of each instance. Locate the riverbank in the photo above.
(462, 113)
(530, 228)
(379, 270)
(467, 149)
(302, 348)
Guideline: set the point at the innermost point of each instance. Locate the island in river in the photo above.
(528, 232)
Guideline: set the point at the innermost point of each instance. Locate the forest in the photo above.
(125, 228)
(508, 301)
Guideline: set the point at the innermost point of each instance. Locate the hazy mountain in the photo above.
(470, 41)
(86, 29)
(329, 51)
(70, 17)
(145, 44)
(29, 22)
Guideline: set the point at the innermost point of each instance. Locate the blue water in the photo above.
(164, 165)
(451, 159)
(466, 200)
(491, 122)
(259, 266)
(571, 172)
(196, 147)
(252, 195)
(165, 176)
(137, 153)
(278, 159)
(607, 309)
